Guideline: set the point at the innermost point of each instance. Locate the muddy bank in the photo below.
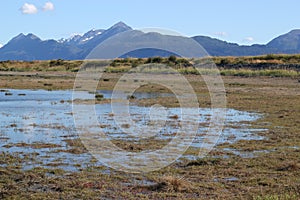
(259, 66)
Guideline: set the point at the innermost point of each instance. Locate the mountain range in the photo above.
(30, 47)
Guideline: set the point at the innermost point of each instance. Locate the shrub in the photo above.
(58, 62)
(172, 59)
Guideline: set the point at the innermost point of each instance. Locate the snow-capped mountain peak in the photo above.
(73, 38)
(90, 35)
(77, 39)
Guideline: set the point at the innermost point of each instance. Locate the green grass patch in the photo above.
(265, 72)
(267, 65)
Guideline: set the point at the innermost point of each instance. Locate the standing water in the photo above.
(40, 123)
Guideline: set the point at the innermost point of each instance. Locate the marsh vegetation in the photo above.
(256, 158)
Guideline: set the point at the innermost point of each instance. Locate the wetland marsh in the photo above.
(256, 157)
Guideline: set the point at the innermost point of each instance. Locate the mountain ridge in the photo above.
(31, 47)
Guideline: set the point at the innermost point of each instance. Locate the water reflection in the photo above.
(39, 116)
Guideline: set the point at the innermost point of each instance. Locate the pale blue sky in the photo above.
(240, 21)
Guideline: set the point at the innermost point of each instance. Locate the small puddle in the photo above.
(228, 179)
(246, 154)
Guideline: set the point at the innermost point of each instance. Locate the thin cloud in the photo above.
(248, 39)
(29, 9)
(220, 34)
(49, 6)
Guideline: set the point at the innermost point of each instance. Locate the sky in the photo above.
(242, 22)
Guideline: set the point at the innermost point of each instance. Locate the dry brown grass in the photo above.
(176, 184)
